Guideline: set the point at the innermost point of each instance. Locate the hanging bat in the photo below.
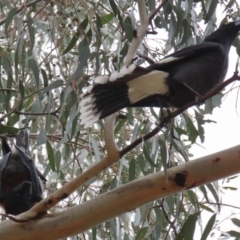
(20, 183)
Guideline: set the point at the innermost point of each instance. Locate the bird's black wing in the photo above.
(184, 53)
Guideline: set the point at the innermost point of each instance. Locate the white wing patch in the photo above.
(169, 59)
(147, 85)
(101, 79)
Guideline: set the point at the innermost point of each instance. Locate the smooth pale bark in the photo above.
(126, 198)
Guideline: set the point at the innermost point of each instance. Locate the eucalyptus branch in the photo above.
(125, 198)
(38, 114)
(144, 22)
(153, 14)
(112, 149)
(147, 58)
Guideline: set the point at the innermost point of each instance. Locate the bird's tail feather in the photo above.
(119, 90)
(103, 101)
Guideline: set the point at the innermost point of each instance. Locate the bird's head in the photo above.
(225, 34)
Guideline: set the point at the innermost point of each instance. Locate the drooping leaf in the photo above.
(58, 160)
(84, 53)
(34, 67)
(236, 221)
(213, 191)
(141, 233)
(51, 156)
(188, 228)
(31, 31)
(9, 18)
(208, 227)
(45, 78)
(53, 85)
(211, 10)
(72, 42)
(8, 129)
(42, 137)
(106, 18)
(164, 154)
(127, 25)
(234, 234)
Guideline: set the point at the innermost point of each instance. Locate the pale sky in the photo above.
(220, 136)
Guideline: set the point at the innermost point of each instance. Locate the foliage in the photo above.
(51, 51)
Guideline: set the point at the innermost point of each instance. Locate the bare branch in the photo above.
(126, 198)
(112, 149)
(153, 14)
(144, 21)
(38, 114)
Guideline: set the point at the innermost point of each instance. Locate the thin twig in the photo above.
(143, 31)
(153, 14)
(38, 114)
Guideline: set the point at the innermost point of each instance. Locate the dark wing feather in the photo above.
(188, 52)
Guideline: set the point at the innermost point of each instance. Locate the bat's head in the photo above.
(19, 199)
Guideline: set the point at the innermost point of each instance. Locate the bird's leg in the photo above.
(197, 95)
(161, 113)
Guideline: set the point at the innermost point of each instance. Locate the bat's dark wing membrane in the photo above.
(22, 146)
(5, 147)
(3, 164)
(20, 184)
(22, 141)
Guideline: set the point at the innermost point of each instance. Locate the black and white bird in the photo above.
(172, 82)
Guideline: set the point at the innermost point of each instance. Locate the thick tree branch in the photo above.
(111, 147)
(126, 198)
